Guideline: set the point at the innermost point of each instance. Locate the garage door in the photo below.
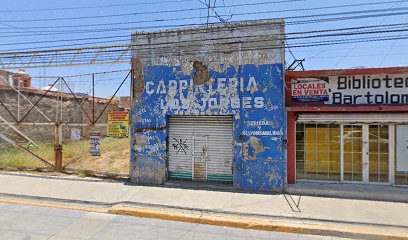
(201, 148)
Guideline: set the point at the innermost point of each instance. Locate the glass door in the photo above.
(352, 153)
(378, 153)
(365, 153)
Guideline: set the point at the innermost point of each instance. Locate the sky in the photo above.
(19, 24)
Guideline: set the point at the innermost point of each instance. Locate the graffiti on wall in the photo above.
(180, 145)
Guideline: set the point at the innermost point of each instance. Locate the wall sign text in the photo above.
(364, 89)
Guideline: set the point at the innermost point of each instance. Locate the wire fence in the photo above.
(54, 128)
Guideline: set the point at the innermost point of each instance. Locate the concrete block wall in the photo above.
(51, 107)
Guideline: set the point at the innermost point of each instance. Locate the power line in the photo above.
(360, 55)
(335, 65)
(148, 12)
(127, 37)
(384, 28)
(237, 14)
(336, 34)
(266, 47)
(318, 20)
(348, 48)
(84, 56)
(93, 7)
(191, 18)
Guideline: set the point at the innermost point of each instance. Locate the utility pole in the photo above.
(93, 98)
(208, 12)
(18, 100)
(58, 146)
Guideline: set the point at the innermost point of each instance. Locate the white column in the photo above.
(366, 176)
(342, 153)
(391, 153)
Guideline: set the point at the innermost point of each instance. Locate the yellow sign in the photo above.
(118, 124)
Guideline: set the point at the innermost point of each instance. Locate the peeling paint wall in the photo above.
(245, 79)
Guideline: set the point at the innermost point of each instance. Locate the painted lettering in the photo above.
(259, 102)
(246, 102)
(149, 90)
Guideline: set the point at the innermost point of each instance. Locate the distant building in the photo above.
(123, 102)
(4, 77)
(21, 79)
(50, 88)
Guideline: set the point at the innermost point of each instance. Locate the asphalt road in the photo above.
(30, 222)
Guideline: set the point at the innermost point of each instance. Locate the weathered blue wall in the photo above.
(253, 94)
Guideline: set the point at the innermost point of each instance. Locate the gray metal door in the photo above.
(201, 148)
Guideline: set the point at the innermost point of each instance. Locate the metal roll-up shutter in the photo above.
(353, 117)
(201, 148)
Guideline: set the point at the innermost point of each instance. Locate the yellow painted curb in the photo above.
(55, 205)
(258, 224)
(235, 222)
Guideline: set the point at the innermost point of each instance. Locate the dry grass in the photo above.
(14, 157)
(114, 156)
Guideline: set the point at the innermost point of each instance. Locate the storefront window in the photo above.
(401, 160)
(318, 151)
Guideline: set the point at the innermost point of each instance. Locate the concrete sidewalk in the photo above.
(152, 201)
(360, 191)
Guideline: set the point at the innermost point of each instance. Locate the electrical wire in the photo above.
(128, 37)
(92, 7)
(381, 11)
(146, 13)
(385, 28)
(192, 18)
(250, 48)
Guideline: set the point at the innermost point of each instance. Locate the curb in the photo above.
(296, 227)
(56, 205)
(259, 224)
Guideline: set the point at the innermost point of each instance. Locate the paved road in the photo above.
(30, 222)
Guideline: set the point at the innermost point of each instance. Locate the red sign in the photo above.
(310, 90)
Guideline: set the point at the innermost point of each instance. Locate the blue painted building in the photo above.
(208, 105)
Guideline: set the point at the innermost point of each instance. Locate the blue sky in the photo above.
(372, 54)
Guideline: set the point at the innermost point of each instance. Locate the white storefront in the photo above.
(349, 125)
